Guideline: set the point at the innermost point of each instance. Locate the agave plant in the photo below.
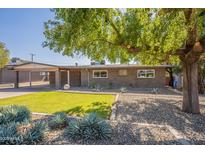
(59, 121)
(11, 117)
(91, 127)
(14, 113)
(9, 134)
(34, 134)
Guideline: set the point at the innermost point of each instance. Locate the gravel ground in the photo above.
(122, 134)
(162, 111)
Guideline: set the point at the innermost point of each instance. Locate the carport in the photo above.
(53, 70)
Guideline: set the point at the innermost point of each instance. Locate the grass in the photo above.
(71, 103)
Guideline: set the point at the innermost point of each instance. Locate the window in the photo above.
(42, 73)
(100, 74)
(122, 73)
(146, 73)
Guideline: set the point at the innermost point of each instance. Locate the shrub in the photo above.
(12, 120)
(123, 90)
(34, 134)
(90, 127)
(9, 134)
(59, 121)
(14, 113)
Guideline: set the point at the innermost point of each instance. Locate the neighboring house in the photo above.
(7, 75)
(117, 75)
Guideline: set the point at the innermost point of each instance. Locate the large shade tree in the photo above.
(4, 55)
(151, 36)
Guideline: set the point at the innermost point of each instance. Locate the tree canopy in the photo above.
(4, 55)
(150, 36)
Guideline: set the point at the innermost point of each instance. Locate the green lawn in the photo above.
(70, 103)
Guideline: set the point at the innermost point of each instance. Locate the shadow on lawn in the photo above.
(101, 108)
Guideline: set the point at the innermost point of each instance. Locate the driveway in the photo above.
(11, 92)
(162, 110)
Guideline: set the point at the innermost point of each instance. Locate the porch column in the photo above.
(30, 78)
(88, 78)
(58, 79)
(68, 77)
(16, 84)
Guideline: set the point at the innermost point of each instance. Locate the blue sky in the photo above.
(22, 32)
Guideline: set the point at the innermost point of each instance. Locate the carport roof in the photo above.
(34, 66)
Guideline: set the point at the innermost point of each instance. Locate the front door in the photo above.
(75, 78)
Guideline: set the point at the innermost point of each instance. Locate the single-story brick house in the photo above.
(115, 75)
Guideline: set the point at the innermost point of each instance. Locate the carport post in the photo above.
(30, 79)
(68, 77)
(57, 79)
(16, 84)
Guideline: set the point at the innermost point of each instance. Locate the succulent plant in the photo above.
(91, 127)
(9, 134)
(34, 134)
(59, 121)
(14, 113)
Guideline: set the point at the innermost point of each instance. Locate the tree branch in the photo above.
(112, 24)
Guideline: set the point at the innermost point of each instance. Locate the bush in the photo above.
(123, 90)
(12, 120)
(34, 134)
(59, 121)
(9, 134)
(14, 113)
(90, 127)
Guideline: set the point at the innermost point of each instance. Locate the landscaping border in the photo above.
(114, 108)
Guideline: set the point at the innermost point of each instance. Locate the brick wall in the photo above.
(130, 80)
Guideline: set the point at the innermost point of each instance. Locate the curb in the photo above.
(88, 92)
(114, 108)
(52, 115)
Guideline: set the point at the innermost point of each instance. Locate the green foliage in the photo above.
(14, 113)
(34, 134)
(9, 134)
(4, 55)
(91, 127)
(12, 118)
(149, 36)
(59, 121)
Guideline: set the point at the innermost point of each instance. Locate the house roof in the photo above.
(117, 66)
(42, 66)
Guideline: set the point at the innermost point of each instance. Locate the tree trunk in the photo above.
(190, 88)
(201, 80)
(201, 84)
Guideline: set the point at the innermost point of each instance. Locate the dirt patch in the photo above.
(162, 111)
